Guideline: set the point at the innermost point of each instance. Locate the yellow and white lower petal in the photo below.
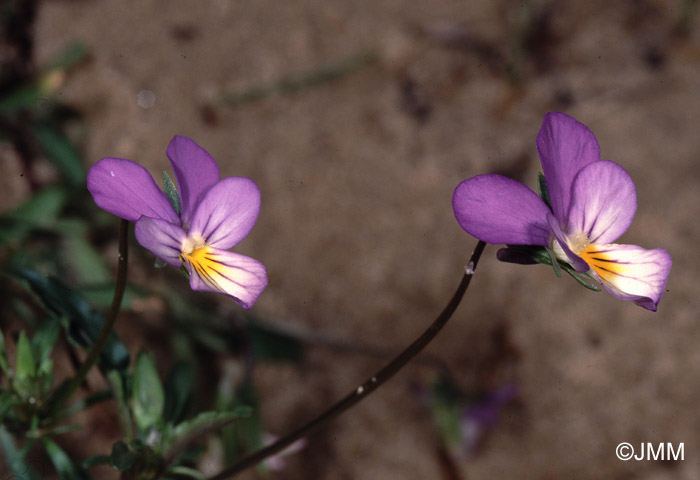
(630, 272)
(215, 270)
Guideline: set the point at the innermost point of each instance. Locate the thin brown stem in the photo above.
(370, 384)
(64, 393)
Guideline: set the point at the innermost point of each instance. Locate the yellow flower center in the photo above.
(191, 244)
(204, 261)
(600, 260)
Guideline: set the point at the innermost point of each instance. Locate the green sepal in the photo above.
(545, 256)
(577, 276)
(554, 262)
(171, 192)
(148, 395)
(542, 189)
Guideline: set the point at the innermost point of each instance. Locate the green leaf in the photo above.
(122, 458)
(97, 460)
(66, 469)
(4, 366)
(45, 339)
(15, 459)
(543, 190)
(186, 433)
(25, 366)
(179, 471)
(148, 396)
(62, 153)
(19, 99)
(83, 324)
(178, 391)
(273, 345)
(246, 435)
(86, 262)
(171, 192)
(7, 401)
(69, 57)
(116, 382)
(445, 404)
(43, 207)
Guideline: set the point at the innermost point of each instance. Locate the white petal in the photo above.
(215, 270)
(630, 272)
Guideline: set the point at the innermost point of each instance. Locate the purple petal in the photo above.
(630, 272)
(496, 209)
(162, 238)
(227, 212)
(127, 190)
(604, 202)
(565, 147)
(195, 171)
(238, 276)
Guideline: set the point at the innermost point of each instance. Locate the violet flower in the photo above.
(592, 203)
(214, 216)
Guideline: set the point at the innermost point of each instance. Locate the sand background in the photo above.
(356, 227)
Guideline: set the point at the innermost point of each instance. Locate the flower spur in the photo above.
(194, 229)
(589, 204)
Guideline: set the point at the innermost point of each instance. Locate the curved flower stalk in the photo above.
(587, 204)
(197, 228)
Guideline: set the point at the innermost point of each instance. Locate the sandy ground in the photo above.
(357, 230)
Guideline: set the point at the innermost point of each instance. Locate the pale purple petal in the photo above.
(127, 190)
(195, 171)
(630, 272)
(162, 238)
(604, 202)
(238, 276)
(565, 147)
(562, 241)
(496, 209)
(227, 212)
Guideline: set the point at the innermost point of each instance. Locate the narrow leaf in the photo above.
(188, 432)
(15, 459)
(186, 472)
(62, 153)
(3, 356)
(66, 469)
(44, 340)
(25, 365)
(148, 395)
(178, 391)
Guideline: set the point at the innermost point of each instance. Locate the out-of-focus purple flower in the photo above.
(592, 202)
(214, 216)
(479, 417)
